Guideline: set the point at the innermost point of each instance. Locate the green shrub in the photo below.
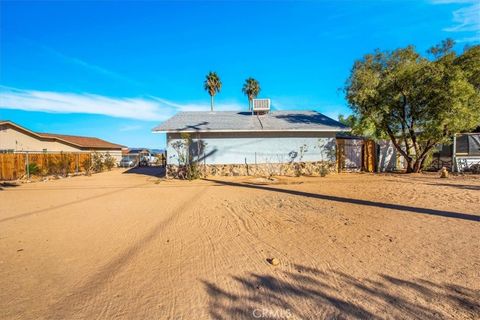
(97, 162)
(323, 170)
(87, 165)
(109, 161)
(32, 168)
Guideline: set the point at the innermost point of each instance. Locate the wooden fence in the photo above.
(369, 155)
(15, 166)
(356, 155)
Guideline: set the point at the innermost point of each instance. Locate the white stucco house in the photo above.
(15, 138)
(243, 138)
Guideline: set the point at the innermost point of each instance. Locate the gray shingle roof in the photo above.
(201, 121)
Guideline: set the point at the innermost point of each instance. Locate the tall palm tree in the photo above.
(251, 88)
(212, 85)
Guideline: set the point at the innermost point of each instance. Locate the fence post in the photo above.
(27, 167)
(76, 162)
(2, 163)
(204, 163)
(340, 152)
(454, 153)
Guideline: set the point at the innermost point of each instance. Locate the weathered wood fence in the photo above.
(356, 155)
(15, 166)
(369, 155)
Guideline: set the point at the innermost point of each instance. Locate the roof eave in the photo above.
(13, 124)
(264, 130)
(56, 138)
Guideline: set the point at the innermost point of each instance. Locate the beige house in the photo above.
(15, 138)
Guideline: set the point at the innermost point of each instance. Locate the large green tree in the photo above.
(212, 85)
(416, 101)
(251, 88)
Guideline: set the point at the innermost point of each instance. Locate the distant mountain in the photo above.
(157, 151)
(152, 151)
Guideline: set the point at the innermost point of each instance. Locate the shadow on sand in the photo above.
(155, 171)
(458, 186)
(5, 184)
(308, 293)
(435, 212)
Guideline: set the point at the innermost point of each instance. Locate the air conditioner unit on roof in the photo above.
(261, 105)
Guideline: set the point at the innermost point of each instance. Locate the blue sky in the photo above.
(115, 69)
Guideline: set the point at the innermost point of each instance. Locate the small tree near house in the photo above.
(188, 156)
(415, 101)
(327, 151)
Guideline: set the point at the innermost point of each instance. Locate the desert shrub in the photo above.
(193, 171)
(270, 170)
(64, 164)
(59, 165)
(87, 165)
(328, 153)
(97, 162)
(109, 161)
(297, 165)
(53, 166)
(43, 171)
(33, 168)
(323, 169)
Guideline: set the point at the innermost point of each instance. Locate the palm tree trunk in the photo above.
(211, 103)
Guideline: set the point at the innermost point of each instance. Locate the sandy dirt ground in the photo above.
(129, 246)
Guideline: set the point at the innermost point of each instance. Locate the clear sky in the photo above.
(115, 69)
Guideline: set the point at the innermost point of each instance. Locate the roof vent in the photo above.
(261, 105)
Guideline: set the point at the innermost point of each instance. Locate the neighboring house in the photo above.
(467, 147)
(136, 152)
(241, 138)
(135, 155)
(15, 138)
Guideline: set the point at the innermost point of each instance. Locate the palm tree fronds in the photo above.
(251, 88)
(212, 85)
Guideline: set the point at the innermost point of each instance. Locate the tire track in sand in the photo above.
(248, 223)
(86, 295)
(205, 253)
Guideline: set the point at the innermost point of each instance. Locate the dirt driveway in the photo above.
(128, 246)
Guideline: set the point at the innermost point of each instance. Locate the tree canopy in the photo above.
(415, 101)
